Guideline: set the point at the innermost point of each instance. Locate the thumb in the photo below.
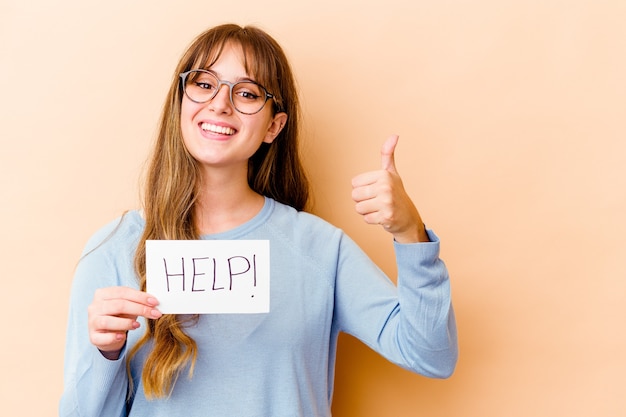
(386, 153)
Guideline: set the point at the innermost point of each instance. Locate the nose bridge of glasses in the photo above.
(223, 83)
(229, 89)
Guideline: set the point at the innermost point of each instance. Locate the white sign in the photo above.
(209, 276)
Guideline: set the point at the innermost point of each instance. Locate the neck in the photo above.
(225, 202)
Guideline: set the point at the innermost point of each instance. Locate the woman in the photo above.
(226, 166)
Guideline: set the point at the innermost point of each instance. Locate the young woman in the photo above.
(226, 166)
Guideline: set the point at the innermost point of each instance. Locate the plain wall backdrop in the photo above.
(512, 144)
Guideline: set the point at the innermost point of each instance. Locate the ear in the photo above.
(276, 125)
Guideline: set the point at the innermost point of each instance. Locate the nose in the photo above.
(220, 103)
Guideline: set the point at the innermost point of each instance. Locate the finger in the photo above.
(387, 153)
(376, 217)
(365, 179)
(363, 192)
(365, 207)
(377, 204)
(126, 308)
(109, 333)
(370, 178)
(112, 324)
(125, 293)
(108, 341)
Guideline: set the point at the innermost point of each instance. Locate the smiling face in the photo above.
(216, 134)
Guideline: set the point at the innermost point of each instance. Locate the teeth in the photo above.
(218, 129)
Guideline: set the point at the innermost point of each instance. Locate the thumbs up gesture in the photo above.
(381, 199)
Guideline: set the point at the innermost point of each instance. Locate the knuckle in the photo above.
(102, 323)
(386, 188)
(388, 201)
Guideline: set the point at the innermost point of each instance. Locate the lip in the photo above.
(216, 130)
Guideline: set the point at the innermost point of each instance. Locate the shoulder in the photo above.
(303, 242)
(288, 219)
(107, 258)
(120, 232)
(304, 235)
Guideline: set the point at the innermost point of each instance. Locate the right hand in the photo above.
(113, 312)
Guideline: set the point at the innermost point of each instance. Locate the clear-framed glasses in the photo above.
(247, 97)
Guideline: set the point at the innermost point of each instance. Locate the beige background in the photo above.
(511, 122)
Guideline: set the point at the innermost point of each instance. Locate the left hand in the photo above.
(381, 199)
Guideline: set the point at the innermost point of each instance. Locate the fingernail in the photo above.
(153, 301)
(155, 313)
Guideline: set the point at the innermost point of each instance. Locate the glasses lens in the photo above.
(248, 97)
(201, 86)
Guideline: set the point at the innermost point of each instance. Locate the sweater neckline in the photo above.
(245, 228)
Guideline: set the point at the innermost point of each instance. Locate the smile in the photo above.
(222, 130)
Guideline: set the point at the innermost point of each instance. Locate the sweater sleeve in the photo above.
(93, 385)
(411, 324)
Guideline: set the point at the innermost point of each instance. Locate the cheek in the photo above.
(188, 110)
(263, 124)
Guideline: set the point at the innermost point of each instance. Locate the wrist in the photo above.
(111, 355)
(415, 234)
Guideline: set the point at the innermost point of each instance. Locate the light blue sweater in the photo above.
(277, 364)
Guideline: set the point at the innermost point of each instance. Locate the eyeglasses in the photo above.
(247, 97)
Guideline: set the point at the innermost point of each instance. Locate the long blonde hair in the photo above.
(173, 182)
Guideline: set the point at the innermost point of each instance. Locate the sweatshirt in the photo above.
(280, 363)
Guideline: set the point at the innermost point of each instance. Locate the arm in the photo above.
(418, 329)
(427, 317)
(103, 308)
(412, 325)
(93, 384)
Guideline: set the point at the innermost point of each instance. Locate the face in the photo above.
(216, 134)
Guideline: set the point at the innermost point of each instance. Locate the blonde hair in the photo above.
(173, 182)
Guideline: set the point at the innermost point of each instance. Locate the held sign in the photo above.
(209, 276)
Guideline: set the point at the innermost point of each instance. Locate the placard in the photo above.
(209, 276)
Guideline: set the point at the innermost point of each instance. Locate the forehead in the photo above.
(228, 59)
(230, 63)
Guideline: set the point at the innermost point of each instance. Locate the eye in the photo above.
(248, 95)
(204, 81)
(248, 91)
(205, 85)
